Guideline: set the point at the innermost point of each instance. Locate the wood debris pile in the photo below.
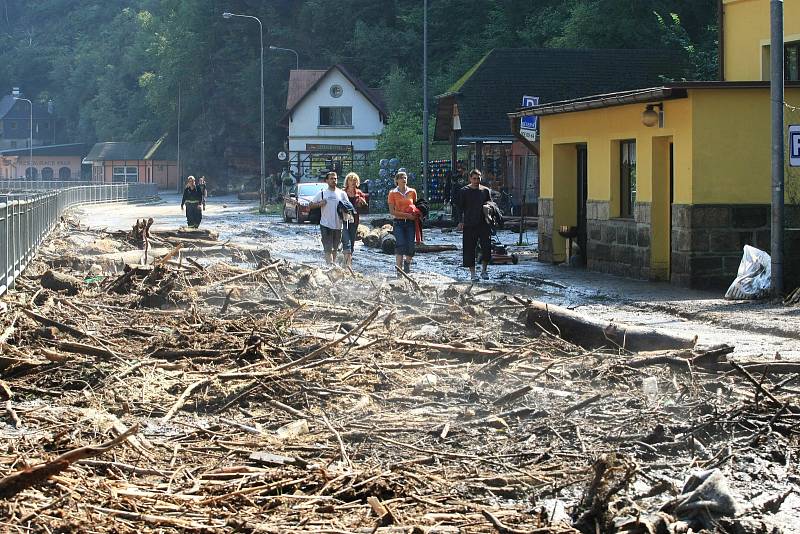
(202, 395)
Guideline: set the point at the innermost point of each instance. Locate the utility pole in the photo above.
(776, 104)
(178, 180)
(425, 101)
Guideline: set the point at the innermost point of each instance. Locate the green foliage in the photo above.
(702, 54)
(402, 139)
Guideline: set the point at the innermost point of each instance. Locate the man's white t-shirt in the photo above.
(329, 217)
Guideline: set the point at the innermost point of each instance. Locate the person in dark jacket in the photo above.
(201, 185)
(456, 183)
(471, 200)
(192, 199)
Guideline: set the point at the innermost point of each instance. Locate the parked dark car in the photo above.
(295, 203)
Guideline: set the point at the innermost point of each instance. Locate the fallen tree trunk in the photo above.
(187, 233)
(422, 248)
(593, 333)
(58, 281)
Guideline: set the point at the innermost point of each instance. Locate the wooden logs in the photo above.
(58, 281)
(592, 333)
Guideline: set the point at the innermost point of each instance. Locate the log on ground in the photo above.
(591, 333)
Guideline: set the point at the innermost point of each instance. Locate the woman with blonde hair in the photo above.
(358, 200)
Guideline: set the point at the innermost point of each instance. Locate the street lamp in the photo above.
(263, 199)
(425, 169)
(296, 56)
(30, 146)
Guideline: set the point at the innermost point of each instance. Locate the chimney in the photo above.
(15, 92)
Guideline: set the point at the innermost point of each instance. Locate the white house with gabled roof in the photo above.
(331, 117)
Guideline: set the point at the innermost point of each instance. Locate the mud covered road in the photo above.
(761, 330)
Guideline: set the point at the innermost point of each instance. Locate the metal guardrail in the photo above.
(26, 217)
(40, 185)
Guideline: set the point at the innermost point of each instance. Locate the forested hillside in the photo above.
(114, 68)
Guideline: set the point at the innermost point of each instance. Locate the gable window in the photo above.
(126, 174)
(627, 178)
(336, 116)
(791, 62)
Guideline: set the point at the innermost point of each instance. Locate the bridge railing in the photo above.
(27, 215)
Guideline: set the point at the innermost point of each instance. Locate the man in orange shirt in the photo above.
(400, 200)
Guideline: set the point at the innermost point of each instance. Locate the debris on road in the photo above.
(241, 393)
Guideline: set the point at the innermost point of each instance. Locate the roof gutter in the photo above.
(600, 101)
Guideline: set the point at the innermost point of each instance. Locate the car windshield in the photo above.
(308, 190)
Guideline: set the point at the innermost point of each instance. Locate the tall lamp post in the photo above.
(263, 197)
(296, 56)
(425, 169)
(30, 142)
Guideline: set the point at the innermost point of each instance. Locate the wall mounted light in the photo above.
(651, 117)
(456, 118)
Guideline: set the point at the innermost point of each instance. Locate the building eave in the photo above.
(602, 101)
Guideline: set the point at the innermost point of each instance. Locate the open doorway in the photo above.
(582, 175)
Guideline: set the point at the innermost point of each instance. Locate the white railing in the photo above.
(26, 218)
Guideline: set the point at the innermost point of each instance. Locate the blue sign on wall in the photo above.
(794, 145)
(529, 123)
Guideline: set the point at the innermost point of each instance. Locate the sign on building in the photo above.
(794, 145)
(528, 125)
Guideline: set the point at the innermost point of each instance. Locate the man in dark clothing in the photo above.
(192, 199)
(471, 200)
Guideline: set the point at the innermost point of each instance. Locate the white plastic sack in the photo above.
(753, 279)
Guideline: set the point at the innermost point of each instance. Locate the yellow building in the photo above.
(669, 182)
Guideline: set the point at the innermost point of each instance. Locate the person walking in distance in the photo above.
(358, 200)
(192, 198)
(203, 190)
(456, 183)
(471, 199)
(401, 202)
(330, 225)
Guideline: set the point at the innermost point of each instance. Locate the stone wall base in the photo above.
(707, 242)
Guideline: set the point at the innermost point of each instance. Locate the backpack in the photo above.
(423, 206)
(493, 215)
(346, 211)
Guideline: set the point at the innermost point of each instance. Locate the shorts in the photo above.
(330, 239)
(404, 234)
(472, 236)
(349, 238)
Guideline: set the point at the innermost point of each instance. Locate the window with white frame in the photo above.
(126, 174)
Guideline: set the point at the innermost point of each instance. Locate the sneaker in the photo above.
(485, 275)
(406, 267)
